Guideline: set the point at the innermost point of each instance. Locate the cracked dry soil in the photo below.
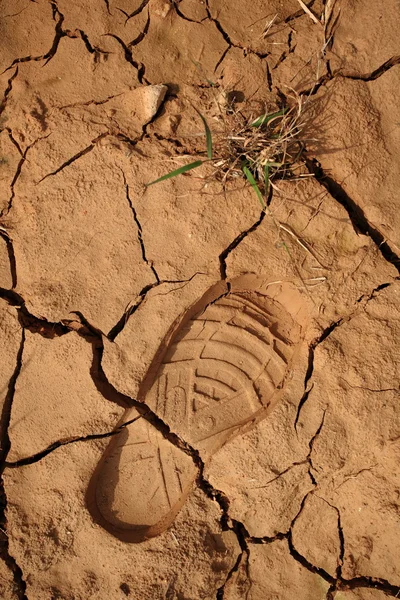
(188, 412)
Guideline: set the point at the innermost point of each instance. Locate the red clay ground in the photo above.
(147, 333)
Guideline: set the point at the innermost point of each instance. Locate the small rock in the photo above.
(153, 97)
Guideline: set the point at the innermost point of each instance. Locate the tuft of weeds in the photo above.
(261, 148)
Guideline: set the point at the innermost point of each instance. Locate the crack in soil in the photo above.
(222, 58)
(329, 76)
(227, 38)
(371, 583)
(14, 14)
(142, 34)
(6, 210)
(140, 67)
(341, 539)
(14, 141)
(311, 91)
(149, 263)
(330, 592)
(354, 475)
(107, 3)
(19, 583)
(294, 553)
(118, 327)
(90, 102)
(336, 583)
(58, 17)
(356, 582)
(245, 551)
(138, 10)
(71, 160)
(311, 447)
(244, 538)
(8, 401)
(235, 243)
(355, 212)
(285, 53)
(268, 76)
(29, 321)
(239, 238)
(8, 90)
(11, 257)
(365, 298)
(175, 6)
(79, 33)
(17, 174)
(391, 62)
(34, 458)
(301, 559)
(308, 385)
(297, 556)
(227, 524)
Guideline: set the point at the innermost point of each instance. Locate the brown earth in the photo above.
(188, 410)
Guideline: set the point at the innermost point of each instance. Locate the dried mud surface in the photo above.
(164, 360)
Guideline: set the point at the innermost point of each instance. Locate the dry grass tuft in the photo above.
(261, 148)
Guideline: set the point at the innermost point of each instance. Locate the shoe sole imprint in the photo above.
(220, 372)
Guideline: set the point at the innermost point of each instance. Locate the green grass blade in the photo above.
(266, 179)
(254, 185)
(179, 171)
(264, 119)
(201, 71)
(208, 134)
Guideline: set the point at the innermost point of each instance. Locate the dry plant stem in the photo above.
(308, 12)
(301, 243)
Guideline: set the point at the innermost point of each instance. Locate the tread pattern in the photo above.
(222, 367)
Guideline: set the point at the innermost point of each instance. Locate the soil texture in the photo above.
(199, 394)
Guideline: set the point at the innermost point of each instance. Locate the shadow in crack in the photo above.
(355, 212)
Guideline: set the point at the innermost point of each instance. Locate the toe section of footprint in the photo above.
(225, 366)
(223, 369)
